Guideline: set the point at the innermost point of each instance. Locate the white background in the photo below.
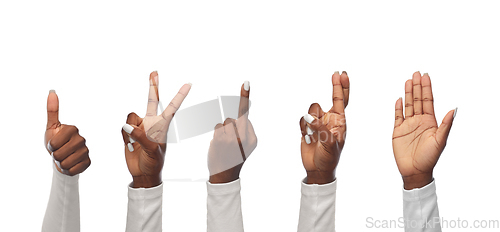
(98, 57)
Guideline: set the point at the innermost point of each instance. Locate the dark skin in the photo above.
(321, 156)
(67, 146)
(232, 144)
(145, 161)
(417, 140)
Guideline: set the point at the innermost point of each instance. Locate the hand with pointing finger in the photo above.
(63, 142)
(417, 140)
(145, 138)
(323, 134)
(232, 144)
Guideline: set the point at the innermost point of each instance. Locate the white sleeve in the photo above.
(63, 209)
(420, 209)
(145, 209)
(317, 207)
(224, 207)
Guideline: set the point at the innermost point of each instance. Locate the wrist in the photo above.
(146, 181)
(214, 179)
(320, 177)
(227, 176)
(417, 181)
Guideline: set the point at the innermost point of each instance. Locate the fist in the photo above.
(63, 142)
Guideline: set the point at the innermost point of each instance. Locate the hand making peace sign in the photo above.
(145, 138)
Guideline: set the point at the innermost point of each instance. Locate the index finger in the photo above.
(344, 80)
(244, 100)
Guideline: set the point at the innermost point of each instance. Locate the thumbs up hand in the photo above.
(64, 144)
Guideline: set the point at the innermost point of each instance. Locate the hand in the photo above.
(232, 144)
(145, 138)
(417, 141)
(66, 146)
(322, 144)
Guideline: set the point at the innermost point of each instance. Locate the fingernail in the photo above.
(246, 85)
(309, 131)
(344, 72)
(128, 128)
(57, 163)
(308, 139)
(52, 91)
(66, 172)
(130, 147)
(426, 74)
(49, 147)
(131, 140)
(308, 118)
(190, 84)
(455, 113)
(336, 72)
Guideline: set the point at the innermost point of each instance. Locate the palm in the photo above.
(147, 160)
(415, 147)
(321, 155)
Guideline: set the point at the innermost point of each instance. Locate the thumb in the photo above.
(52, 110)
(444, 129)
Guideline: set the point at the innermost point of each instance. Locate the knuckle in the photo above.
(314, 105)
(65, 165)
(81, 141)
(57, 155)
(130, 116)
(73, 129)
(172, 104)
(254, 141)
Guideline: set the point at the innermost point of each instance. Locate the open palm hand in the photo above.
(417, 140)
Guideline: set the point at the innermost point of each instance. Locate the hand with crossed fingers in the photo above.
(324, 133)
